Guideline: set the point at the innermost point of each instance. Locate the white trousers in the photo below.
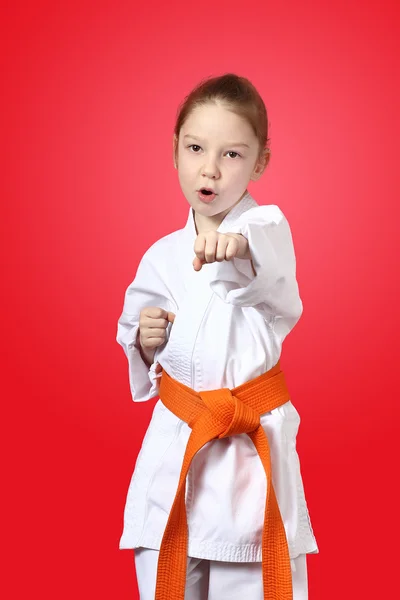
(217, 580)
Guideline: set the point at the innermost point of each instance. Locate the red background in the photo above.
(91, 92)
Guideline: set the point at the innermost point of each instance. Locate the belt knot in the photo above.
(234, 415)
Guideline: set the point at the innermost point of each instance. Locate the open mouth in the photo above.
(206, 195)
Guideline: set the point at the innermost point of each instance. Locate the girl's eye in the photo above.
(196, 148)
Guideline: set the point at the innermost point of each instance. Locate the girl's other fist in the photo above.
(153, 322)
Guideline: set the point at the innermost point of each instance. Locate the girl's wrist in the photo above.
(244, 250)
(147, 354)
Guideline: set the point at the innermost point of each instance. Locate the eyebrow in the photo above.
(194, 137)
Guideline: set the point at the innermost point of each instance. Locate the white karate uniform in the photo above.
(229, 328)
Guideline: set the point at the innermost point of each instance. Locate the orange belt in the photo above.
(218, 414)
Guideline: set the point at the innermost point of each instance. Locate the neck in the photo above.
(204, 223)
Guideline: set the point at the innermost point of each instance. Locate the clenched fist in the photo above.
(153, 322)
(211, 246)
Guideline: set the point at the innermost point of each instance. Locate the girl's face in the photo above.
(217, 150)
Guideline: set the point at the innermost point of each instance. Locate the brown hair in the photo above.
(241, 97)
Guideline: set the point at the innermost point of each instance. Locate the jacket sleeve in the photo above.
(273, 291)
(147, 289)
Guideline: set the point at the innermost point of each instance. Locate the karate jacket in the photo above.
(229, 327)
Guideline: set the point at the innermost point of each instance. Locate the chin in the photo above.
(201, 207)
(209, 209)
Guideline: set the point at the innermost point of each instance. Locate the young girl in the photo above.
(216, 506)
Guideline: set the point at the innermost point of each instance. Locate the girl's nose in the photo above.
(211, 170)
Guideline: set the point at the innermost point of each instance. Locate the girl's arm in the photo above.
(271, 287)
(147, 289)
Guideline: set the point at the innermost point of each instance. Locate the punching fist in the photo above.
(153, 322)
(211, 246)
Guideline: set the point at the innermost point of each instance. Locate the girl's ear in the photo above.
(175, 150)
(261, 164)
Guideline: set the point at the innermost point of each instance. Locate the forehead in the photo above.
(217, 122)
